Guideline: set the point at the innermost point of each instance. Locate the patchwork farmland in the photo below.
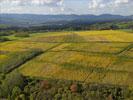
(66, 50)
(104, 57)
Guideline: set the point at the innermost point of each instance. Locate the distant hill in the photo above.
(25, 20)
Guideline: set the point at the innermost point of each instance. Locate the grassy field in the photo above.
(104, 57)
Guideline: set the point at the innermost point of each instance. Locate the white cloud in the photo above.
(96, 4)
(67, 6)
(119, 2)
(51, 9)
(62, 9)
(32, 2)
(25, 6)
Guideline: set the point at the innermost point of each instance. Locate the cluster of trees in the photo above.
(112, 25)
(3, 39)
(2, 34)
(11, 84)
(17, 32)
(82, 26)
(25, 31)
(16, 87)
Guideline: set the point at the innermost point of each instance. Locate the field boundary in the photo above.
(33, 58)
(130, 46)
(82, 42)
(28, 59)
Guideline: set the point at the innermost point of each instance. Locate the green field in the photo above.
(104, 57)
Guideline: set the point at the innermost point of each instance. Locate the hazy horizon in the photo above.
(65, 14)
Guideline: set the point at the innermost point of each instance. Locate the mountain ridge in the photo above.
(24, 20)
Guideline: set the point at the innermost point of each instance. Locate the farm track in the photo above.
(101, 53)
(33, 58)
(94, 71)
(130, 46)
(104, 74)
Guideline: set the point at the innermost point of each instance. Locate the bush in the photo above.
(58, 96)
(3, 39)
(57, 91)
(4, 33)
(74, 88)
(12, 80)
(15, 92)
(22, 97)
(45, 84)
(22, 35)
(2, 76)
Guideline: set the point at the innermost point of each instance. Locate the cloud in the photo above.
(96, 4)
(123, 7)
(118, 2)
(33, 2)
(20, 5)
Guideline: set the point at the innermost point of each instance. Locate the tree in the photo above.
(13, 79)
(114, 27)
(74, 88)
(45, 85)
(15, 92)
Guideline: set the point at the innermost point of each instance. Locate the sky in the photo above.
(96, 7)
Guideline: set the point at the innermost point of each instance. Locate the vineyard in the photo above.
(104, 57)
